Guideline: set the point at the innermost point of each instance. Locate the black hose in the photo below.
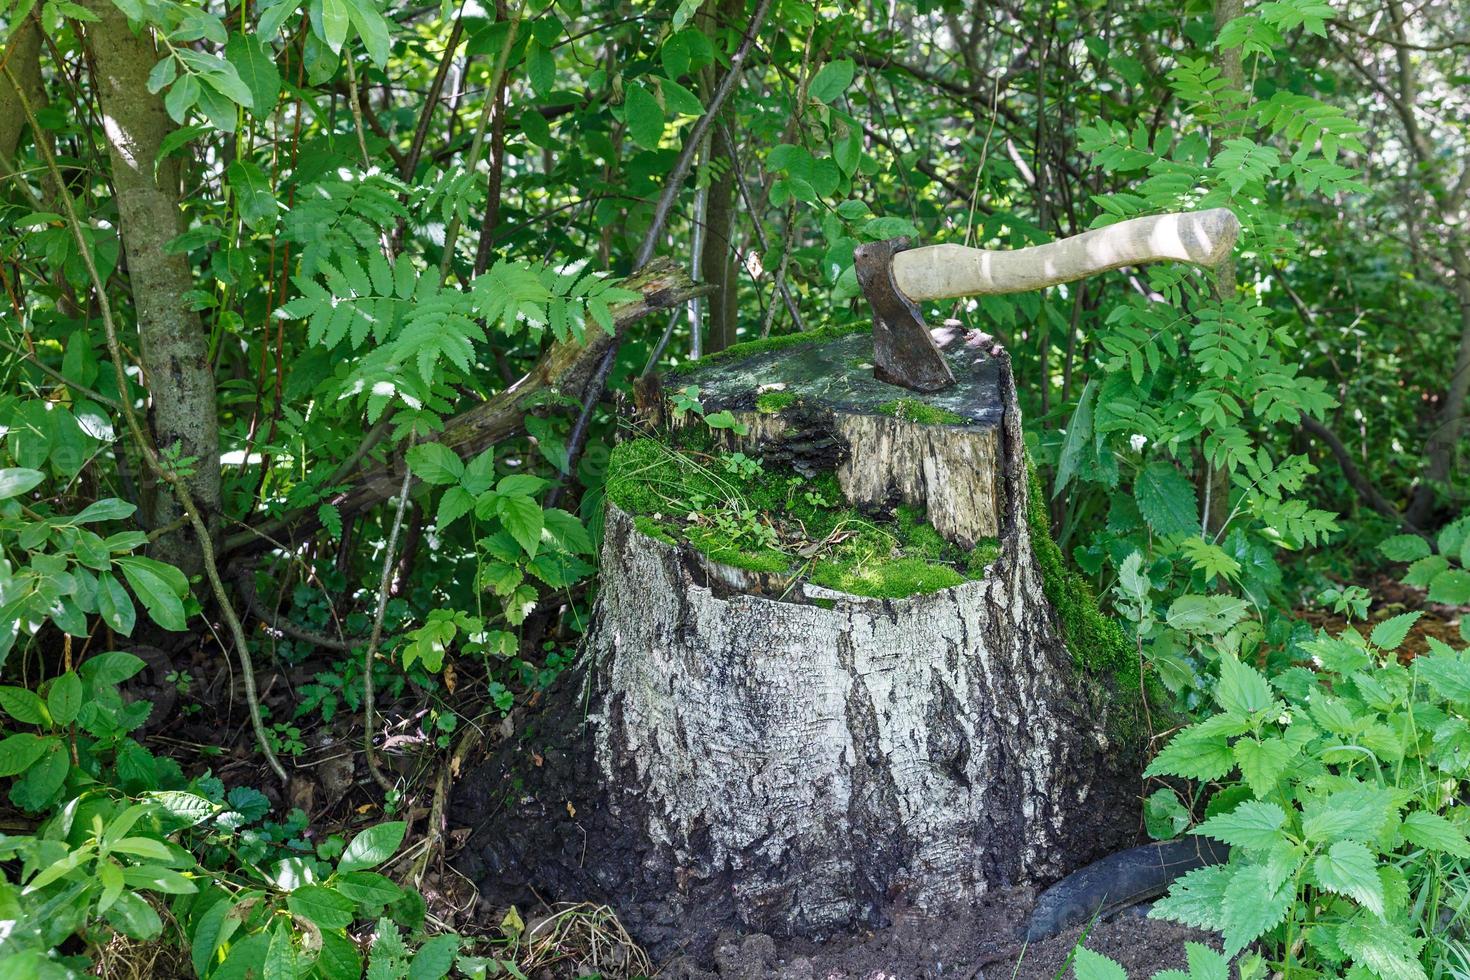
(1118, 881)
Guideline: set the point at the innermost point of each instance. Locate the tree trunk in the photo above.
(175, 349)
(765, 752)
(23, 59)
(1214, 482)
(717, 263)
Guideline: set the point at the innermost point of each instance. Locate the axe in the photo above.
(896, 277)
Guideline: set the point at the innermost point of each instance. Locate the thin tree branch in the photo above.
(150, 454)
(696, 137)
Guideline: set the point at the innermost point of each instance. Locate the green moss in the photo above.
(1098, 643)
(913, 410)
(774, 402)
(763, 344)
(780, 523)
(653, 529)
(891, 579)
(981, 556)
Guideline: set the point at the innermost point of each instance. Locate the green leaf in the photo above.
(372, 847)
(1241, 689)
(372, 28)
(1194, 754)
(1253, 825)
(540, 68)
(144, 847)
(1262, 762)
(455, 503)
(324, 906)
(335, 20)
(1404, 547)
(182, 95)
(1423, 571)
(1166, 499)
(281, 955)
(1390, 634)
(16, 480)
(679, 99)
(1350, 869)
(133, 916)
(435, 463)
(522, 517)
(106, 509)
(257, 70)
(1356, 813)
(154, 877)
(1251, 906)
(832, 80)
(1078, 443)
(23, 705)
(226, 81)
(205, 940)
(42, 783)
(1087, 965)
(643, 116)
(1383, 947)
(253, 195)
(19, 752)
(537, 129)
(1196, 898)
(162, 75)
(110, 668)
(1447, 674)
(64, 699)
(1451, 587)
(889, 226)
(567, 531)
(521, 485)
(368, 888)
(338, 959)
(157, 595)
(1164, 816)
(434, 958)
(182, 809)
(1433, 832)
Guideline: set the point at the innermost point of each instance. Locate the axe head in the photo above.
(904, 353)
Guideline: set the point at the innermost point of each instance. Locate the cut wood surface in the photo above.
(888, 453)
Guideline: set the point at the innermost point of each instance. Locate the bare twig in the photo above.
(696, 137)
(385, 582)
(486, 118)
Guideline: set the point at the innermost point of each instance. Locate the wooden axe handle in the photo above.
(950, 271)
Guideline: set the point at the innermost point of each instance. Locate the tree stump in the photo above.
(762, 736)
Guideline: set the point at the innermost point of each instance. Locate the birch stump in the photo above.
(749, 747)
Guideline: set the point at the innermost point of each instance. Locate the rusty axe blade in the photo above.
(895, 276)
(904, 353)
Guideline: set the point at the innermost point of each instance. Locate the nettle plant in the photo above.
(1445, 574)
(1204, 964)
(1338, 788)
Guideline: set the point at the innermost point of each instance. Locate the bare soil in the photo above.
(986, 944)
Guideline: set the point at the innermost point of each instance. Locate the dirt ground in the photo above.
(1391, 598)
(986, 944)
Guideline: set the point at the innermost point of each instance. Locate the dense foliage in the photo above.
(309, 314)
